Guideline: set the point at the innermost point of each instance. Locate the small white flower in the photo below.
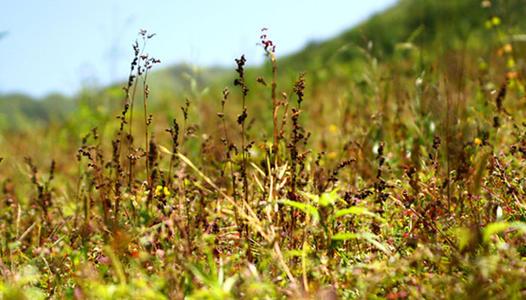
(375, 147)
(499, 213)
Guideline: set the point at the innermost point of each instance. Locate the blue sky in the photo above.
(61, 45)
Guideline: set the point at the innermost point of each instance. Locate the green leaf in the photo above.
(304, 207)
(464, 236)
(345, 236)
(293, 253)
(495, 228)
(325, 199)
(229, 283)
(357, 210)
(201, 275)
(14, 245)
(367, 236)
(330, 198)
(498, 227)
(312, 197)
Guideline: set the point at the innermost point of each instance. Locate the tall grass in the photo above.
(397, 184)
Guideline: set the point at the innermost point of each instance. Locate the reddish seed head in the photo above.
(267, 44)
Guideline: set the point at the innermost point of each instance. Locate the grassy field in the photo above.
(386, 163)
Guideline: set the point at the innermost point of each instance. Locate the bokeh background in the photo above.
(62, 46)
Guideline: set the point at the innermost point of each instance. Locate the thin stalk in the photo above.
(147, 125)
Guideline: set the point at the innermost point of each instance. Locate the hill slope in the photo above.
(432, 25)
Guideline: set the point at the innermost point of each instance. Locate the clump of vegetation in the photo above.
(406, 181)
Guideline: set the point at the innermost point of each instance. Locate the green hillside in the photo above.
(18, 111)
(429, 28)
(432, 25)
